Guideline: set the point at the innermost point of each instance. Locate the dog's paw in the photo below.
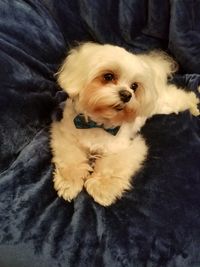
(67, 188)
(194, 101)
(69, 181)
(105, 190)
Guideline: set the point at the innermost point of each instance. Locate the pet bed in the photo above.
(157, 223)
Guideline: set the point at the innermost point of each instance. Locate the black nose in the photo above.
(125, 95)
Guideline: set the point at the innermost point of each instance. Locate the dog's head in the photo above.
(111, 85)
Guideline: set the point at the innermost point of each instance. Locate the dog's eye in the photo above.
(134, 86)
(109, 77)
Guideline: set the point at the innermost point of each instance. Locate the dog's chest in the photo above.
(97, 140)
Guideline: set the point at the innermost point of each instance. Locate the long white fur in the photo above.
(92, 158)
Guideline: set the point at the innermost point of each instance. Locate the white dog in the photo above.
(110, 90)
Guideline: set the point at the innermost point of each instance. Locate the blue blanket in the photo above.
(154, 225)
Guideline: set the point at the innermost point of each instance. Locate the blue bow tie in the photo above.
(81, 123)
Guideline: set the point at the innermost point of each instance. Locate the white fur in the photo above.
(93, 158)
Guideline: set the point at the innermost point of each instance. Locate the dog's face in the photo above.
(109, 84)
(111, 97)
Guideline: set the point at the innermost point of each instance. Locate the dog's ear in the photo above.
(158, 68)
(162, 65)
(70, 74)
(73, 73)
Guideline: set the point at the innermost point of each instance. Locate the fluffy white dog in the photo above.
(110, 90)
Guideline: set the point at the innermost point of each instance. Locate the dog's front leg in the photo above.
(71, 165)
(112, 173)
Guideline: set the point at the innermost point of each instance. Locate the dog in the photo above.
(97, 145)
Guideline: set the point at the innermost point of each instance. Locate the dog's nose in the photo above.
(125, 95)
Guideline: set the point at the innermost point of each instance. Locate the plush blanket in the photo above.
(157, 223)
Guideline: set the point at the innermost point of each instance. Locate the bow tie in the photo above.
(81, 123)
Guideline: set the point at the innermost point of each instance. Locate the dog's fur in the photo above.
(93, 158)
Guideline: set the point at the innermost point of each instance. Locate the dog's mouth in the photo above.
(119, 107)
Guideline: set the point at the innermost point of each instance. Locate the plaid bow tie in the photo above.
(81, 123)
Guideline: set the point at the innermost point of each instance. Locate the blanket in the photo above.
(157, 223)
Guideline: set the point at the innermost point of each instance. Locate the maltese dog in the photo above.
(112, 92)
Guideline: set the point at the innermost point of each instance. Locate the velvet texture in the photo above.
(154, 225)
